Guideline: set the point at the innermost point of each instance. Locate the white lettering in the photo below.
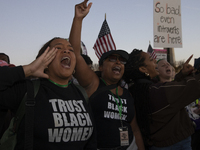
(61, 105)
(69, 106)
(68, 134)
(76, 136)
(113, 115)
(65, 120)
(53, 103)
(55, 136)
(77, 107)
(80, 117)
(58, 122)
(87, 117)
(81, 104)
(73, 119)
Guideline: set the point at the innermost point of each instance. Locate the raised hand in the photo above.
(82, 9)
(36, 68)
(187, 68)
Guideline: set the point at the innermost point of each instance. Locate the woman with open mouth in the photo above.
(165, 71)
(112, 105)
(62, 119)
(160, 106)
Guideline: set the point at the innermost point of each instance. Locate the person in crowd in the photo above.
(5, 60)
(62, 109)
(193, 110)
(62, 118)
(164, 70)
(5, 57)
(113, 109)
(5, 114)
(160, 107)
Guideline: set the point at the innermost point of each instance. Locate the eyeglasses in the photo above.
(113, 58)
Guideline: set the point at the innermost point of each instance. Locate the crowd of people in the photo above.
(155, 111)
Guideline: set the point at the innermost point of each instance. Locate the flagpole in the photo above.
(104, 42)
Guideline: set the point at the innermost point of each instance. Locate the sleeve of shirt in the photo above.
(179, 76)
(176, 94)
(9, 76)
(12, 87)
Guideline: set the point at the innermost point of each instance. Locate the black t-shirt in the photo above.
(62, 117)
(106, 115)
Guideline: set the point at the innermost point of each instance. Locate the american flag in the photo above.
(151, 52)
(104, 41)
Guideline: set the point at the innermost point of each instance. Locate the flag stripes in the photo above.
(104, 41)
(151, 52)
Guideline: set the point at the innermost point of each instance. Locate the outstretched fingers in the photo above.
(82, 9)
(87, 6)
(38, 66)
(188, 60)
(187, 68)
(85, 3)
(49, 55)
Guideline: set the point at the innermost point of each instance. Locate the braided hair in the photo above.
(139, 90)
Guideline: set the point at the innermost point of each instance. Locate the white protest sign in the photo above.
(167, 23)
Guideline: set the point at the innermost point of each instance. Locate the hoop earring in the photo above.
(146, 74)
(74, 72)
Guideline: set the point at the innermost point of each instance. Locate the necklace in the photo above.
(59, 84)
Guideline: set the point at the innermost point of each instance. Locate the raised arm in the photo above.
(85, 76)
(187, 70)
